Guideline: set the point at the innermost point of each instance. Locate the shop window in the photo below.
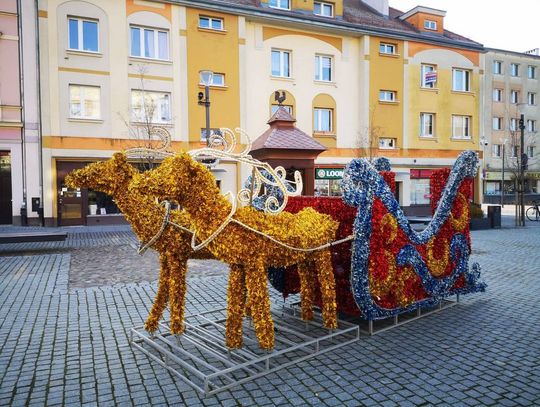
(100, 203)
(420, 192)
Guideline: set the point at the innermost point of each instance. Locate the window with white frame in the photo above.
(496, 150)
(83, 34)
(531, 125)
(427, 124)
(514, 151)
(531, 72)
(461, 80)
(514, 69)
(324, 9)
(497, 67)
(461, 127)
(430, 25)
(281, 4)
(281, 61)
(387, 96)
(322, 120)
(386, 143)
(211, 23)
(218, 79)
(149, 43)
(497, 123)
(387, 48)
(514, 97)
(429, 76)
(531, 98)
(323, 68)
(513, 124)
(530, 151)
(150, 107)
(288, 108)
(84, 102)
(497, 95)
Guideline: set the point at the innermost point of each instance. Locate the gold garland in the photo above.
(436, 266)
(462, 222)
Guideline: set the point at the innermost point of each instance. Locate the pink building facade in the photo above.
(20, 169)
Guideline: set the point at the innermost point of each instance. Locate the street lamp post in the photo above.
(502, 177)
(204, 99)
(522, 166)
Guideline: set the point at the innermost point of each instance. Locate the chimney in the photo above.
(380, 6)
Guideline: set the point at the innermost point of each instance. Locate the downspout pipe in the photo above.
(24, 204)
(40, 127)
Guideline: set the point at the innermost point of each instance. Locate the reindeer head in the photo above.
(178, 178)
(105, 176)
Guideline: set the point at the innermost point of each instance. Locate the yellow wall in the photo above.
(386, 73)
(218, 52)
(442, 100)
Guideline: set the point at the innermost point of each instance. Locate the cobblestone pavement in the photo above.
(63, 334)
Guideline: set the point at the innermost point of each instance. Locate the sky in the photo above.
(510, 25)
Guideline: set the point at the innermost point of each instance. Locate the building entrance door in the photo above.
(5, 188)
(72, 203)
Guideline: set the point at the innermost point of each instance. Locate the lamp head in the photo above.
(206, 77)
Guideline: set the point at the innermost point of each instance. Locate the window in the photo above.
(218, 79)
(385, 48)
(420, 191)
(496, 150)
(514, 97)
(323, 9)
(531, 125)
(497, 95)
(497, 123)
(531, 72)
(427, 125)
(430, 25)
(429, 76)
(149, 43)
(387, 96)
(531, 98)
(514, 151)
(530, 151)
(461, 80)
(514, 69)
(288, 108)
(323, 68)
(83, 35)
(513, 124)
(281, 63)
(497, 67)
(322, 120)
(387, 143)
(461, 127)
(282, 4)
(84, 102)
(150, 107)
(212, 132)
(211, 23)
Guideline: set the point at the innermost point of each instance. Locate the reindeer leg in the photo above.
(177, 292)
(325, 274)
(306, 290)
(236, 295)
(259, 303)
(161, 298)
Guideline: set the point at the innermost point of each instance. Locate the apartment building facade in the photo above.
(20, 170)
(359, 77)
(512, 88)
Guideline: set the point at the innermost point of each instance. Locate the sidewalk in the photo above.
(63, 343)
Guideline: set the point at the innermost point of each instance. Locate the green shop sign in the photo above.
(329, 173)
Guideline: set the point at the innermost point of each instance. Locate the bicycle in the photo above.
(533, 213)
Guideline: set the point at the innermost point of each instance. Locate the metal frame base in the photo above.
(200, 358)
(377, 326)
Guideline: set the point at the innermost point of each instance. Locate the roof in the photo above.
(284, 135)
(358, 17)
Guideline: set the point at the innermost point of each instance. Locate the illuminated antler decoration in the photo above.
(267, 183)
(161, 151)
